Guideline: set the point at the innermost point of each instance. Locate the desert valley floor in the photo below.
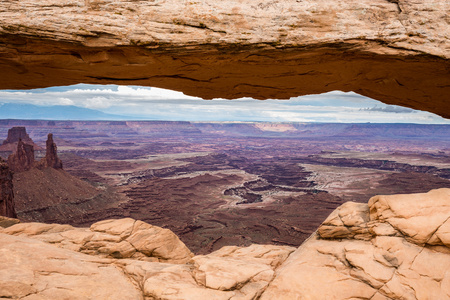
(217, 184)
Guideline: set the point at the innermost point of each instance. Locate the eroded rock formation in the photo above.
(136, 258)
(394, 51)
(16, 134)
(51, 159)
(6, 191)
(23, 158)
(396, 247)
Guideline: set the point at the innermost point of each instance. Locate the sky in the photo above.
(160, 104)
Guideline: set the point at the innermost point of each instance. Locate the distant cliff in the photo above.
(16, 134)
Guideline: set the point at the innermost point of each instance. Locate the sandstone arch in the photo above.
(394, 51)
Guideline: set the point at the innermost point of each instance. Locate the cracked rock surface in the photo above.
(397, 51)
(396, 247)
(126, 259)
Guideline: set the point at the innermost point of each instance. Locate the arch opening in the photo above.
(117, 102)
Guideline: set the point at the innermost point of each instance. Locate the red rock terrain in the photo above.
(15, 135)
(43, 190)
(56, 196)
(23, 158)
(7, 202)
(217, 184)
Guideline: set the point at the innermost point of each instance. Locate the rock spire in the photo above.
(51, 159)
(23, 158)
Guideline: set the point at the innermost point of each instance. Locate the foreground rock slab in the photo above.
(123, 238)
(396, 247)
(42, 261)
(32, 270)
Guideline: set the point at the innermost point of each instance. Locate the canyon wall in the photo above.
(6, 191)
(16, 134)
(394, 51)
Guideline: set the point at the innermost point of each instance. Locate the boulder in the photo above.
(394, 248)
(122, 238)
(34, 270)
(7, 222)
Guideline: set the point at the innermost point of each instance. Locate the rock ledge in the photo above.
(396, 247)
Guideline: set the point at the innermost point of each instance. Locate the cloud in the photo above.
(162, 104)
(390, 109)
(65, 101)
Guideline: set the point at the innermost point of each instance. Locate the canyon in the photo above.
(224, 184)
(125, 184)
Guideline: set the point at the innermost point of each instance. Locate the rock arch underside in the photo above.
(396, 51)
(393, 51)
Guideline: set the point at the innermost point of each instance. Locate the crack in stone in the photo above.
(397, 3)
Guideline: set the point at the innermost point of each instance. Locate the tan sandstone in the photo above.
(394, 51)
(394, 248)
(53, 273)
(122, 238)
(392, 259)
(34, 270)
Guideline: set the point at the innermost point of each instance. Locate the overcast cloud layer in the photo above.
(161, 104)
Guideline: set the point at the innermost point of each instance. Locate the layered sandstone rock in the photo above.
(397, 247)
(51, 159)
(146, 262)
(6, 191)
(23, 158)
(16, 134)
(394, 51)
(124, 238)
(31, 269)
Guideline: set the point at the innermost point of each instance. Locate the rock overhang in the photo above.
(393, 51)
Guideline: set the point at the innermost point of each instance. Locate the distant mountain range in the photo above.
(57, 112)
